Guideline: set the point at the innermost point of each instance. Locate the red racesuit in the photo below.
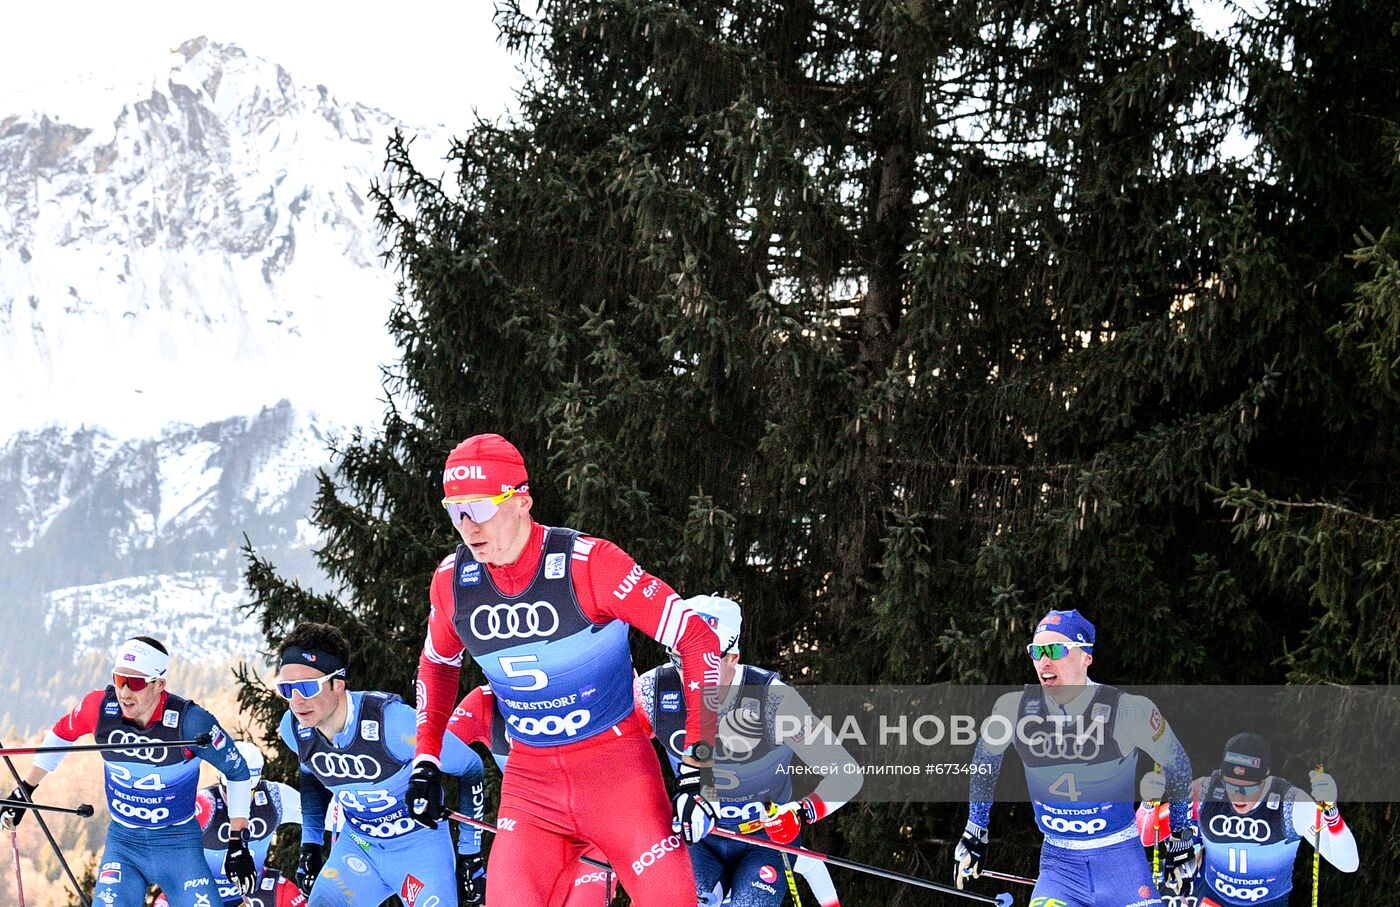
(603, 790)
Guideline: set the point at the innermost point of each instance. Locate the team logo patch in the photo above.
(768, 874)
(1241, 759)
(269, 884)
(260, 798)
(1274, 800)
(471, 574)
(554, 566)
(111, 708)
(111, 874)
(1100, 712)
(357, 864)
(587, 693)
(670, 702)
(171, 718)
(1158, 724)
(369, 730)
(303, 732)
(1143, 891)
(410, 890)
(1050, 619)
(216, 738)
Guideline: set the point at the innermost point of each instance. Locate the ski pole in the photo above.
(792, 883)
(477, 823)
(1005, 877)
(1317, 850)
(82, 809)
(39, 817)
(19, 881)
(1156, 838)
(201, 740)
(1001, 900)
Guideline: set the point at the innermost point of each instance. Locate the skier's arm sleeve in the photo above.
(612, 586)
(439, 666)
(471, 796)
(315, 802)
(224, 757)
(986, 766)
(1334, 841)
(644, 699)
(471, 720)
(315, 798)
(841, 776)
(1140, 726)
(82, 720)
(289, 799)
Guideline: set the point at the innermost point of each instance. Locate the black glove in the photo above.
(239, 867)
(309, 867)
(693, 810)
(970, 853)
(471, 880)
(10, 816)
(424, 795)
(1179, 863)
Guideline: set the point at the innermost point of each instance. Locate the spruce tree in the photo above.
(902, 323)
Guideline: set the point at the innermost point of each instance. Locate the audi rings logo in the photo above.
(346, 765)
(521, 620)
(1059, 746)
(257, 829)
(568, 725)
(145, 753)
(1240, 894)
(142, 813)
(1241, 828)
(1079, 826)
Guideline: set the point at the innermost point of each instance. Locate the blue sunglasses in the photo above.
(305, 688)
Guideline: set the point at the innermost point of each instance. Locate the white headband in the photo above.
(142, 658)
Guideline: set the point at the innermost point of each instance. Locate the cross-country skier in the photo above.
(752, 762)
(545, 614)
(153, 838)
(358, 746)
(478, 719)
(272, 805)
(1079, 741)
(1250, 823)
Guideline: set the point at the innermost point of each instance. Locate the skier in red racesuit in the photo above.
(544, 613)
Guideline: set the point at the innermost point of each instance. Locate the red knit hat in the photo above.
(483, 465)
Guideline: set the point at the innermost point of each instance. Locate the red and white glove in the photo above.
(784, 823)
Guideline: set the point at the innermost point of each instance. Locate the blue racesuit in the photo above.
(273, 804)
(1080, 760)
(1247, 858)
(382, 851)
(752, 769)
(153, 838)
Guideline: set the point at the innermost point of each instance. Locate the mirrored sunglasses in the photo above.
(1055, 650)
(135, 684)
(305, 688)
(479, 510)
(1244, 789)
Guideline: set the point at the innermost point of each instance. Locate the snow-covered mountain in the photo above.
(176, 262)
(203, 248)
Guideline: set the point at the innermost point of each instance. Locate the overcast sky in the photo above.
(423, 61)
